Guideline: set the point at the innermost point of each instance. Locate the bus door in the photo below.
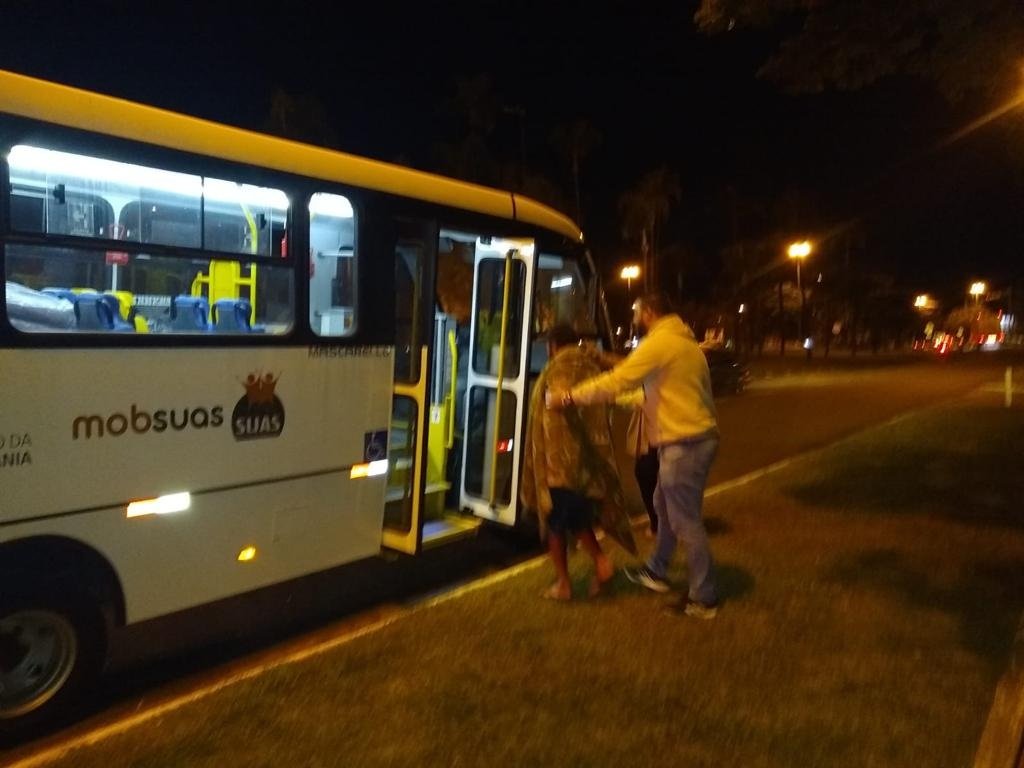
(414, 311)
(497, 378)
(458, 401)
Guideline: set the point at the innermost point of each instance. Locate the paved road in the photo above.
(787, 411)
(776, 418)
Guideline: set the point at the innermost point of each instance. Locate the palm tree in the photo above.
(644, 208)
(575, 141)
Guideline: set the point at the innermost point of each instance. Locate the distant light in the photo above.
(978, 289)
(799, 250)
(161, 505)
(247, 554)
(505, 446)
(561, 282)
(372, 469)
(630, 272)
(921, 300)
(743, 308)
(808, 343)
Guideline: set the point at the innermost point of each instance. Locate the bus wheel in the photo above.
(47, 648)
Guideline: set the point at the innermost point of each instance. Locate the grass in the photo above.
(871, 597)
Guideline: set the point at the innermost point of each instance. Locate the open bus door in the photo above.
(497, 379)
(460, 384)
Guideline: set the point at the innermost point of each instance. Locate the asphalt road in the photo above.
(788, 409)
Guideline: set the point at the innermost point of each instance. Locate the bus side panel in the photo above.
(171, 562)
(262, 440)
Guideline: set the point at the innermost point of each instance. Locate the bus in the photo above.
(228, 360)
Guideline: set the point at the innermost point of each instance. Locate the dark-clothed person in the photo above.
(562, 476)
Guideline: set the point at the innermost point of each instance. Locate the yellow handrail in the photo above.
(454, 350)
(501, 375)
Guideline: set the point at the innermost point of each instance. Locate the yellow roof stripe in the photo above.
(63, 105)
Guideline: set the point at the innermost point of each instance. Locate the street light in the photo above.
(629, 273)
(798, 252)
(978, 290)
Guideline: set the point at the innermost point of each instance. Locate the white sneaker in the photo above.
(645, 577)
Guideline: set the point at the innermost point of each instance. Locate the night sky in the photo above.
(660, 93)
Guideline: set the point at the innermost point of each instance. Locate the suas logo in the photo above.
(141, 421)
(259, 413)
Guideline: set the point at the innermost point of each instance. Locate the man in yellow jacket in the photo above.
(680, 417)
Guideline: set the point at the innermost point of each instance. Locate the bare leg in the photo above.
(561, 589)
(603, 568)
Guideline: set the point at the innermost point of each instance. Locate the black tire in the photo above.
(51, 646)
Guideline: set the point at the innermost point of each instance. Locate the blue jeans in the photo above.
(678, 499)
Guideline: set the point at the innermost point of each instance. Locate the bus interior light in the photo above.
(247, 554)
(161, 505)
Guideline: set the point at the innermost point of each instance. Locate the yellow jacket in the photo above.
(676, 382)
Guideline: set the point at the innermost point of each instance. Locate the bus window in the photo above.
(51, 289)
(490, 296)
(560, 296)
(242, 218)
(61, 186)
(60, 193)
(332, 265)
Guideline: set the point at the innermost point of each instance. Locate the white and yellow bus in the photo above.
(228, 360)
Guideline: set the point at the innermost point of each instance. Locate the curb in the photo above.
(1002, 741)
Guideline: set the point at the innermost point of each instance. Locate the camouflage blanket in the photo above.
(571, 448)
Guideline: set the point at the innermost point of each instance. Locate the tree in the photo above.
(961, 46)
(575, 141)
(301, 118)
(644, 208)
(474, 110)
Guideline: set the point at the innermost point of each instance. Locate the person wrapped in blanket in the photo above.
(563, 477)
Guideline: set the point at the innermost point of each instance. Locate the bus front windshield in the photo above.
(562, 296)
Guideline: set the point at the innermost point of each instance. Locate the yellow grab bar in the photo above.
(454, 350)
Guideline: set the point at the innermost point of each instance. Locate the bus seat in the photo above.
(126, 308)
(61, 293)
(190, 313)
(231, 316)
(93, 313)
(115, 311)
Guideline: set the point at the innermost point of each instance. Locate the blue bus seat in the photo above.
(93, 313)
(231, 316)
(115, 309)
(190, 313)
(61, 293)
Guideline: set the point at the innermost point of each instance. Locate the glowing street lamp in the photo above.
(798, 252)
(921, 302)
(978, 290)
(629, 273)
